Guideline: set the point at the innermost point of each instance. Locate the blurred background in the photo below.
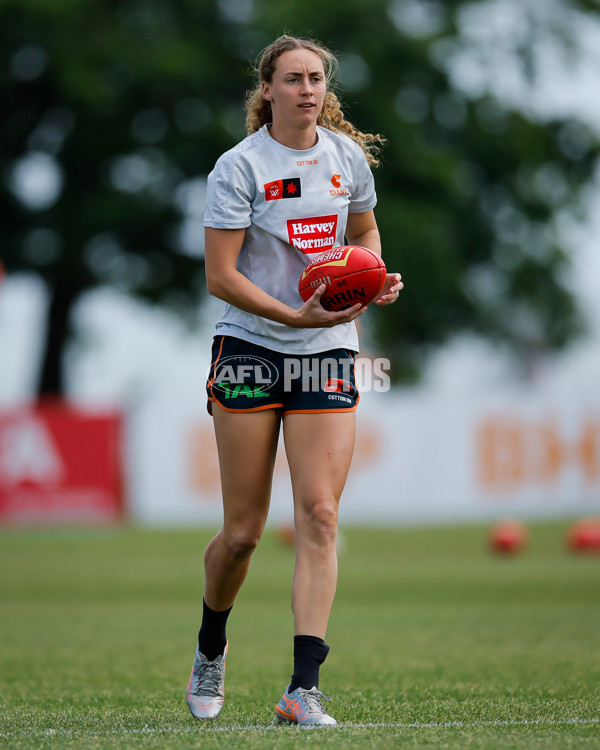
(113, 114)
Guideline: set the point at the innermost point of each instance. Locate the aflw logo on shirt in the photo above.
(278, 189)
(314, 234)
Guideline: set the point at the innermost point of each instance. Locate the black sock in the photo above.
(212, 638)
(309, 653)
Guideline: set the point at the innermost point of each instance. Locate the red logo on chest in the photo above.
(279, 189)
(313, 235)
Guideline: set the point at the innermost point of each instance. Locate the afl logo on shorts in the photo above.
(245, 370)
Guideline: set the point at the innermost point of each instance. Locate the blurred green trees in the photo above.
(113, 113)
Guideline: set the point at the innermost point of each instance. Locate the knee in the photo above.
(241, 544)
(321, 522)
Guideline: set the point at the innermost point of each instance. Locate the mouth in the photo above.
(307, 105)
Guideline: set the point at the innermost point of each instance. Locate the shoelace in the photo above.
(313, 700)
(209, 674)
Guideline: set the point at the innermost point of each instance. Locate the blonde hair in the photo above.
(258, 109)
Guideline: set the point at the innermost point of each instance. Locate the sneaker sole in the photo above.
(210, 712)
(283, 718)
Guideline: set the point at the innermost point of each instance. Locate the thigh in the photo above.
(322, 382)
(319, 450)
(246, 445)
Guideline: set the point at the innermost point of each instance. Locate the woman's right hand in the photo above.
(313, 315)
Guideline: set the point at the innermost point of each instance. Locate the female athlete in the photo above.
(298, 184)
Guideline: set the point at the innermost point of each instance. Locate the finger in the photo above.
(387, 299)
(316, 296)
(356, 311)
(350, 312)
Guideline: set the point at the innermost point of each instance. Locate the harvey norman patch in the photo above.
(312, 235)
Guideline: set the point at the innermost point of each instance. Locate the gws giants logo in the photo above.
(313, 235)
(336, 385)
(336, 181)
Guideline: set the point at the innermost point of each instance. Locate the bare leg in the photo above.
(319, 449)
(246, 444)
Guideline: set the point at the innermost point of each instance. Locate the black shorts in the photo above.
(244, 377)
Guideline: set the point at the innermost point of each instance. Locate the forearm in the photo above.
(369, 239)
(237, 290)
(222, 248)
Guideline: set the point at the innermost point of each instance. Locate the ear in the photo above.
(266, 91)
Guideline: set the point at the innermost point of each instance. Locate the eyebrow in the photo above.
(313, 73)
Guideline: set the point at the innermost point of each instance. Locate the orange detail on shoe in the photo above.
(294, 708)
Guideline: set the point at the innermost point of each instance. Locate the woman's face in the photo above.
(297, 90)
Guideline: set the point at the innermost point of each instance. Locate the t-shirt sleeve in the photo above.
(364, 197)
(229, 194)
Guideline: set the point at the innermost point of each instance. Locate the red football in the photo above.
(584, 535)
(351, 273)
(508, 536)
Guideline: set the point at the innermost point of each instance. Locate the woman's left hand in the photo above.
(391, 289)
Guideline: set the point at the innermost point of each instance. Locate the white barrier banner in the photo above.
(419, 458)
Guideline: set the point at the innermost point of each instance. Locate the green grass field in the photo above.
(435, 642)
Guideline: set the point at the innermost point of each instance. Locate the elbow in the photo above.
(212, 286)
(215, 285)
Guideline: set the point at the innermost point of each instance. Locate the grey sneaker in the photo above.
(303, 707)
(206, 688)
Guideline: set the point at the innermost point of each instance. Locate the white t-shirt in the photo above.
(294, 205)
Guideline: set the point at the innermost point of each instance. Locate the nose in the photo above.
(306, 86)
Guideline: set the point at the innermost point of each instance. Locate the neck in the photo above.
(299, 140)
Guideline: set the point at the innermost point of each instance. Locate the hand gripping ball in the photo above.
(351, 273)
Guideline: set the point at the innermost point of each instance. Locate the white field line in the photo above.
(270, 727)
